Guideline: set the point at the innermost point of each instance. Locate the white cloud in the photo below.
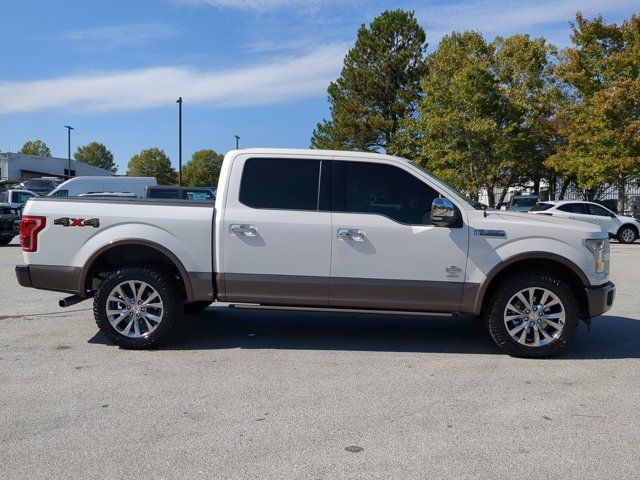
(121, 36)
(269, 83)
(502, 17)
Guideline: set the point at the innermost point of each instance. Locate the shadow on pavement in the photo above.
(611, 337)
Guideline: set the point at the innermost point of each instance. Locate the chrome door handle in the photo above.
(351, 233)
(247, 230)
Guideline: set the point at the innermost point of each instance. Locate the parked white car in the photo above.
(625, 229)
(77, 186)
(319, 229)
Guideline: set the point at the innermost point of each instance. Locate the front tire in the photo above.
(627, 234)
(532, 315)
(137, 307)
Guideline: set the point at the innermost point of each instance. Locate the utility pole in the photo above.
(69, 128)
(179, 102)
(237, 142)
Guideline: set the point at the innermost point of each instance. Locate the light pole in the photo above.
(69, 128)
(179, 102)
(237, 142)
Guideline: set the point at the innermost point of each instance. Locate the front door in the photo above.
(603, 217)
(277, 239)
(386, 253)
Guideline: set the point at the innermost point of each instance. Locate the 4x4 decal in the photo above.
(77, 222)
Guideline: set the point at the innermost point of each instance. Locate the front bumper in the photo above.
(600, 298)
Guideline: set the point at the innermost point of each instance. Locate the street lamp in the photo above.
(179, 102)
(69, 128)
(237, 142)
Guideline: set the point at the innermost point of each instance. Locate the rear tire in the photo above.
(532, 315)
(627, 234)
(138, 307)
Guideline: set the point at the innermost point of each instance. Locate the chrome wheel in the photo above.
(627, 235)
(534, 317)
(134, 309)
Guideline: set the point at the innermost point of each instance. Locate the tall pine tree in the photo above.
(379, 86)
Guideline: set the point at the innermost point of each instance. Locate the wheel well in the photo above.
(631, 225)
(541, 265)
(130, 254)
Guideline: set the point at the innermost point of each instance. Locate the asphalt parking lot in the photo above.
(275, 395)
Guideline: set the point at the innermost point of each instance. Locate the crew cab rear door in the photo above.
(386, 252)
(277, 239)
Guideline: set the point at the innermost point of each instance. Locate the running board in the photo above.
(257, 306)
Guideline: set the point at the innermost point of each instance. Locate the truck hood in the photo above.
(547, 221)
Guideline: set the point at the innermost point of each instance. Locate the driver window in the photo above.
(381, 189)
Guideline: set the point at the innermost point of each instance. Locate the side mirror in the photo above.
(443, 212)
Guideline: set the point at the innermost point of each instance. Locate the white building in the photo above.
(15, 166)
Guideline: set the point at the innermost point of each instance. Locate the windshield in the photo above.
(38, 183)
(524, 201)
(474, 203)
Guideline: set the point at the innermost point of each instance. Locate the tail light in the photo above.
(30, 227)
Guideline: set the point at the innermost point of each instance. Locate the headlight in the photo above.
(598, 247)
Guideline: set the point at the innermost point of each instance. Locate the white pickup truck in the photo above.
(319, 229)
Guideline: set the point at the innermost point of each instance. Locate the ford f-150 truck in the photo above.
(319, 229)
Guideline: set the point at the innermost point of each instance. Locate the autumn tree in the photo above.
(35, 147)
(602, 123)
(203, 169)
(96, 154)
(152, 162)
(379, 85)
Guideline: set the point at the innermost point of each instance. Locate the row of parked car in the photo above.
(624, 228)
(13, 200)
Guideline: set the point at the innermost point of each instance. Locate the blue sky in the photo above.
(257, 68)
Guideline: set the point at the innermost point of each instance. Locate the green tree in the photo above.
(458, 130)
(487, 118)
(602, 122)
(152, 162)
(532, 96)
(379, 85)
(96, 154)
(203, 169)
(35, 147)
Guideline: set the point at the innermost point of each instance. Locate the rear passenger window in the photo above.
(363, 187)
(573, 208)
(285, 184)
